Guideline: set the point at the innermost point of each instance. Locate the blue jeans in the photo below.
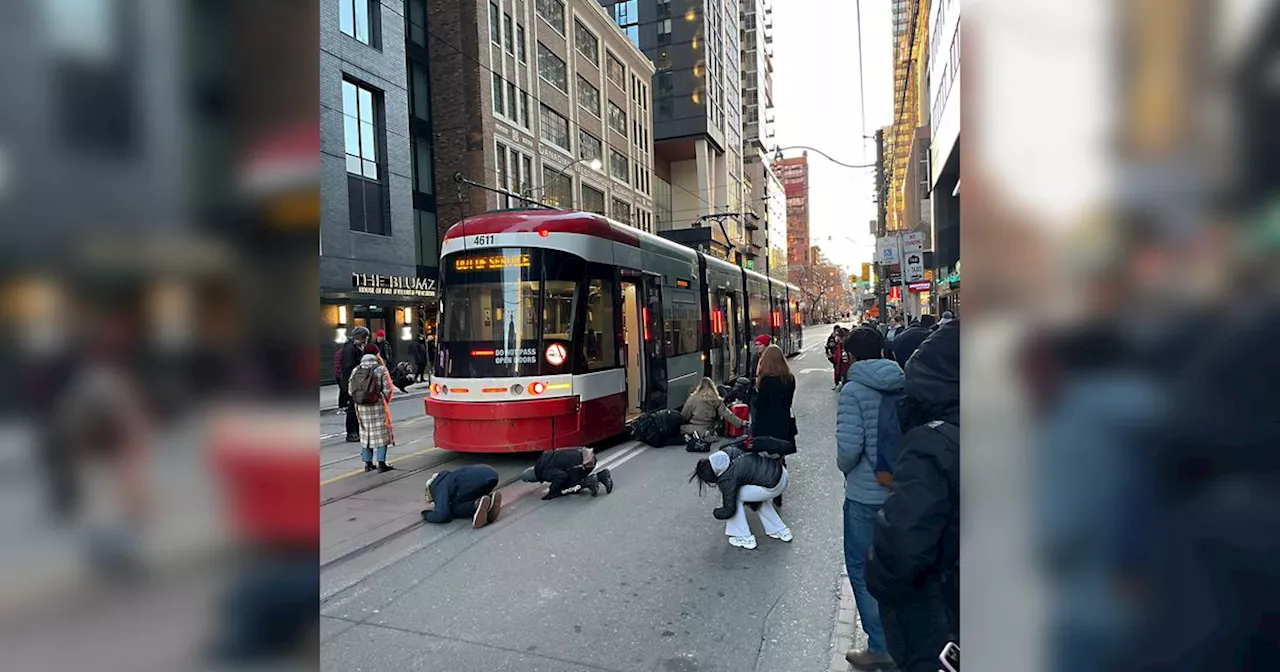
(859, 526)
(366, 454)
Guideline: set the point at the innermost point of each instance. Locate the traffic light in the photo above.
(866, 271)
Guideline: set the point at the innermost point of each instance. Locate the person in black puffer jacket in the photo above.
(744, 478)
(913, 568)
(568, 470)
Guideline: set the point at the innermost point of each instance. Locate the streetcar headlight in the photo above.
(517, 389)
(537, 388)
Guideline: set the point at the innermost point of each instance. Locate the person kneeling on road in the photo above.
(567, 471)
(463, 492)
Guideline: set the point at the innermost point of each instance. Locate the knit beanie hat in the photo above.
(719, 461)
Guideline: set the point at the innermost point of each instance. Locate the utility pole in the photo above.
(882, 197)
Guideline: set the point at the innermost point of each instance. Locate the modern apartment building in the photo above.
(757, 125)
(378, 261)
(794, 175)
(697, 122)
(542, 98)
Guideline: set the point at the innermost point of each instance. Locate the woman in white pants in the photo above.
(744, 478)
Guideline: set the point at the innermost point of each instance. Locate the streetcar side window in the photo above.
(599, 347)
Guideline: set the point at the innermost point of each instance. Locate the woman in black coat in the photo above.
(775, 391)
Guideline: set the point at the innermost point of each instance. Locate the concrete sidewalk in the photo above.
(329, 395)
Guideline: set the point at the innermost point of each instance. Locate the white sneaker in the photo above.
(784, 535)
(748, 543)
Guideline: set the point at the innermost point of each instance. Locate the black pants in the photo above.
(917, 630)
(353, 423)
(463, 504)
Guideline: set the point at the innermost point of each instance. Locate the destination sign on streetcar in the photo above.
(490, 262)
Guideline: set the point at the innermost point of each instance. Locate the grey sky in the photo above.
(815, 95)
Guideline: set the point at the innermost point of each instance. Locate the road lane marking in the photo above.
(393, 460)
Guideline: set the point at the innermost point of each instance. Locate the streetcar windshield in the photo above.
(502, 308)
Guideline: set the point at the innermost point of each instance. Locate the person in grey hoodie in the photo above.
(870, 377)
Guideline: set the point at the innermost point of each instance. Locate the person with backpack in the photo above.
(370, 389)
(874, 384)
(348, 359)
(913, 569)
(744, 479)
(567, 471)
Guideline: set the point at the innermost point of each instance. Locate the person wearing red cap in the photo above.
(384, 347)
(761, 342)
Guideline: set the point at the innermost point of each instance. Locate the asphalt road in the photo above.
(641, 579)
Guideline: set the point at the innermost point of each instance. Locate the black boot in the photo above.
(368, 467)
(353, 438)
(777, 501)
(383, 468)
(592, 485)
(606, 479)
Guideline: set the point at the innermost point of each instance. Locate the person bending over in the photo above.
(461, 493)
(744, 478)
(567, 471)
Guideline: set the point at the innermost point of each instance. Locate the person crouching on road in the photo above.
(568, 470)
(370, 389)
(704, 408)
(744, 478)
(464, 492)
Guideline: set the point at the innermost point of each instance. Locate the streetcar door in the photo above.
(633, 347)
(729, 323)
(655, 365)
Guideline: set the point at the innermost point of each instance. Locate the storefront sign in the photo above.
(922, 286)
(393, 285)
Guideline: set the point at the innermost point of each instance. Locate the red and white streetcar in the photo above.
(557, 327)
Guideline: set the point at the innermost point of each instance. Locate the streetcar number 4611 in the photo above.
(483, 240)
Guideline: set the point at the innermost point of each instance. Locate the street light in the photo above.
(594, 163)
(777, 156)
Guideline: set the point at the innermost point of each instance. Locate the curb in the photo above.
(411, 394)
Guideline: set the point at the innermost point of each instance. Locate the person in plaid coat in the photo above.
(376, 434)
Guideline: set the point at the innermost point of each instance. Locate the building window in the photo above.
(524, 109)
(520, 44)
(558, 188)
(355, 17)
(526, 174)
(555, 128)
(588, 96)
(364, 186)
(510, 33)
(618, 165)
(617, 73)
(423, 178)
(498, 106)
(513, 100)
(592, 200)
(495, 24)
(622, 211)
(552, 11)
(552, 68)
(428, 238)
(617, 119)
(590, 147)
(418, 22)
(586, 42)
(419, 91)
(664, 31)
(500, 158)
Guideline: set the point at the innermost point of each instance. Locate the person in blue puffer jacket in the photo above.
(870, 377)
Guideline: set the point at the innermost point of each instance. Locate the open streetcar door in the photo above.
(642, 343)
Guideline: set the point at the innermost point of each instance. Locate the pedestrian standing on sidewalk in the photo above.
(913, 569)
(352, 351)
(371, 390)
(420, 357)
(744, 478)
(433, 357)
(872, 380)
(384, 347)
(466, 492)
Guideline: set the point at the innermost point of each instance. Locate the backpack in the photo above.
(896, 417)
(364, 385)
